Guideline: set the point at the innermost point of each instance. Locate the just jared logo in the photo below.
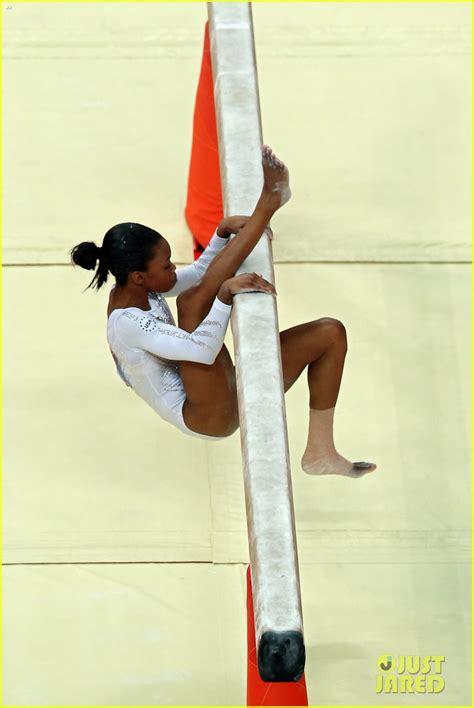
(409, 673)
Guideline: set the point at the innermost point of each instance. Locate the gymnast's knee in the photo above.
(188, 300)
(336, 330)
(191, 306)
(185, 298)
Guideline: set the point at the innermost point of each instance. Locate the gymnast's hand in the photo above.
(244, 283)
(230, 225)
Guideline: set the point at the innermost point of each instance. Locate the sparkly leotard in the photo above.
(147, 344)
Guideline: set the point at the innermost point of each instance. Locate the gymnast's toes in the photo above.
(366, 466)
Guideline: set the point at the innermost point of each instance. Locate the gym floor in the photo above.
(124, 541)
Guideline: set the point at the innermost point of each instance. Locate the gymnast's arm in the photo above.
(168, 342)
(191, 274)
(227, 262)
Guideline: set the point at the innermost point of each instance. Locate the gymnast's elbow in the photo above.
(210, 358)
(207, 357)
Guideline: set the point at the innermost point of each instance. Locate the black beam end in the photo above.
(281, 656)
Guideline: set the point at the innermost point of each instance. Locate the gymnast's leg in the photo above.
(320, 345)
(211, 405)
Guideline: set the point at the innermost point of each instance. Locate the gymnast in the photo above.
(185, 372)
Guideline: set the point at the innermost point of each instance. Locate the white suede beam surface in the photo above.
(263, 426)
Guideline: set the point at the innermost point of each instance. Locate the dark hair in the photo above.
(125, 248)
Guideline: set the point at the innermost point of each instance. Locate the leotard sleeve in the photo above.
(145, 332)
(189, 275)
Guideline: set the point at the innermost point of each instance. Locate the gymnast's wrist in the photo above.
(222, 230)
(225, 295)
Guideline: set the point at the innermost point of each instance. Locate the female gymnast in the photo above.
(185, 372)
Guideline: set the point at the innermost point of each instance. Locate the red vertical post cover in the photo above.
(264, 693)
(204, 209)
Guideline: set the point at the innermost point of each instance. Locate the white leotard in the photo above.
(146, 344)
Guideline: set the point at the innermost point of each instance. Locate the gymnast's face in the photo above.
(160, 275)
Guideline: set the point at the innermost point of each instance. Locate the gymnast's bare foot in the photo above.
(276, 178)
(334, 463)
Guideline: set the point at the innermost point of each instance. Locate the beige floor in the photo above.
(124, 542)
